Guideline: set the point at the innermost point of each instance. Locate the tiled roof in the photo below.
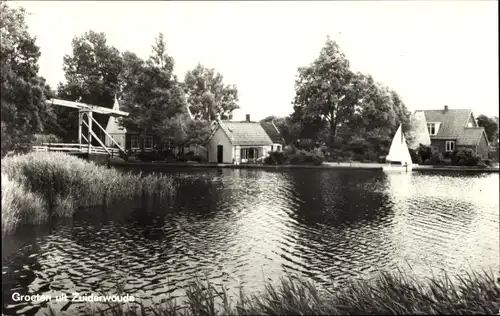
(470, 136)
(245, 133)
(272, 132)
(452, 121)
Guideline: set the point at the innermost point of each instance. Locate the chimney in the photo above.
(445, 108)
(247, 117)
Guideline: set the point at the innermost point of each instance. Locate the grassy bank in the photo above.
(40, 185)
(386, 294)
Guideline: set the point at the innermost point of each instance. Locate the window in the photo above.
(431, 127)
(271, 147)
(450, 145)
(148, 142)
(134, 142)
(248, 153)
(278, 148)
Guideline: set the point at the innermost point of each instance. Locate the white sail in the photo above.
(399, 150)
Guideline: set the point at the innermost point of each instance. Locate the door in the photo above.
(219, 153)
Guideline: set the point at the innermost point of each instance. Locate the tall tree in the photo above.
(23, 111)
(152, 94)
(490, 125)
(92, 76)
(207, 96)
(324, 87)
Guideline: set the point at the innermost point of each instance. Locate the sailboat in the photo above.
(399, 157)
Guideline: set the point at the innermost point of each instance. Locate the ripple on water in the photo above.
(247, 226)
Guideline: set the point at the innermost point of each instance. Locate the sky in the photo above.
(432, 53)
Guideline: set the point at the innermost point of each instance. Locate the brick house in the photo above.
(450, 129)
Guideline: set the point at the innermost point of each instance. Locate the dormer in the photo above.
(433, 128)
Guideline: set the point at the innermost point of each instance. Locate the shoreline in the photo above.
(328, 165)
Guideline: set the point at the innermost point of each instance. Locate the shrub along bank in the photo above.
(293, 156)
(428, 155)
(40, 185)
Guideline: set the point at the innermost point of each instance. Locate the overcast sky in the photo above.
(432, 53)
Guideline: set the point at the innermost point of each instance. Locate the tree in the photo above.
(207, 96)
(92, 76)
(151, 93)
(490, 125)
(324, 89)
(23, 110)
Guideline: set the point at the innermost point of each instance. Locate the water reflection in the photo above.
(245, 226)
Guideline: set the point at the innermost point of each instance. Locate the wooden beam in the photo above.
(83, 106)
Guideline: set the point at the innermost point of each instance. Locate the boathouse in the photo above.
(242, 142)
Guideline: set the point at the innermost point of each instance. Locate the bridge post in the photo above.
(80, 116)
(89, 116)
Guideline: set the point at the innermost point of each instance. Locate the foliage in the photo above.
(436, 158)
(324, 89)
(351, 112)
(151, 93)
(465, 157)
(275, 158)
(207, 96)
(386, 293)
(424, 152)
(65, 182)
(415, 157)
(92, 76)
(23, 109)
(490, 125)
(19, 205)
(182, 130)
(296, 157)
(39, 139)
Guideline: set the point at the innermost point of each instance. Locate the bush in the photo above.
(415, 158)
(275, 158)
(424, 152)
(465, 157)
(305, 157)
(436, 158)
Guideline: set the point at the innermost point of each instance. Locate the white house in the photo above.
(239, 142)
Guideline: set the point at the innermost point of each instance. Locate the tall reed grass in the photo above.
(44, 184)
(387, 294)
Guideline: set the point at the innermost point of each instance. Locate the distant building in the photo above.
(129, 140)
(274, 134)
(242, 142)
(453, 128)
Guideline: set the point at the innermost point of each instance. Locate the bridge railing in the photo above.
(70, 147)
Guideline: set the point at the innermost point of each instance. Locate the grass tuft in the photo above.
(40, 185)
(395, 293)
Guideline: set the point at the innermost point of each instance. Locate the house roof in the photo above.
(245, 133)
(272, 132)
(113, 126)
(470, 136)
(453, 121)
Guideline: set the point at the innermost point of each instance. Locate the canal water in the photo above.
(247, 227)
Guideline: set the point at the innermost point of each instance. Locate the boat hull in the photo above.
(397, 169)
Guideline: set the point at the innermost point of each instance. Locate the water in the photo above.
(243, 227)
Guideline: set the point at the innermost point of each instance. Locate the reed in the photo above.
(57, 184)
(387, 294)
